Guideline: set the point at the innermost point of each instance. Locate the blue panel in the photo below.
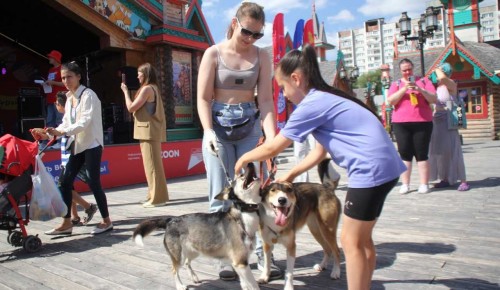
(463, 17)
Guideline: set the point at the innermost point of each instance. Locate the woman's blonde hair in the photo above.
(149, 73)
(248, 9)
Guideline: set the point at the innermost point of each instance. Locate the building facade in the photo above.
(107, 39)
(378, 42)
(490, 22)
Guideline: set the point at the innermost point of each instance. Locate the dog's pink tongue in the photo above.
(280, 219)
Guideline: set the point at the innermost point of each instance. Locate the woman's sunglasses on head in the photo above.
(246, 32)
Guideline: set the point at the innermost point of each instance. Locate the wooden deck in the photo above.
(442, 240)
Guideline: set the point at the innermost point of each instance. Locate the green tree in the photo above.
(370, 77)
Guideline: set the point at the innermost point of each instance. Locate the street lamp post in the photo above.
(369, 93)
(426, 27)
(385, 79)
(350, 76)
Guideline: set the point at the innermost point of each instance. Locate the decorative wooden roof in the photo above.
(146, 19)
(194, 33)
(483, 57)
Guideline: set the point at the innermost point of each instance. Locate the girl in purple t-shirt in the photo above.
(357, 141)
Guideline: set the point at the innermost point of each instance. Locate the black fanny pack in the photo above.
(233, 129)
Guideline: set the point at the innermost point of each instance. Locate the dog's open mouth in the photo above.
(281, 213)
(250, 176)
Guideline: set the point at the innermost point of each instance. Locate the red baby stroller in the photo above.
(17, 159)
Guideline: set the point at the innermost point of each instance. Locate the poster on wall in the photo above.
(122, 15)
(181, 61)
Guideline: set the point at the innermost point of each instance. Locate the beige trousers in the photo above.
(155, 174)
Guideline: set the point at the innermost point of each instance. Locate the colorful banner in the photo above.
(122, 15)
(279, 50)
(308, 33)
(181, 65)
(122, 164)
(299, 34)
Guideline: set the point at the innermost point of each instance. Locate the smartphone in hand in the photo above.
(411, 79)
(124, 79)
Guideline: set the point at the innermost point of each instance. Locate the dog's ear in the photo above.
(262, 192)
(287, 186)
(224, 194)
(265, 190)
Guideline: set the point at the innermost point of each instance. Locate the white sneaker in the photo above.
(423, 188)
(404, 189)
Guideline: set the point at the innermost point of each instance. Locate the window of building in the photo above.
(487, 15)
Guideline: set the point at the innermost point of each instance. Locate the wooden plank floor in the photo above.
(442, 240)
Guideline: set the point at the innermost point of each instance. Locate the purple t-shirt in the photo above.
(352, 135)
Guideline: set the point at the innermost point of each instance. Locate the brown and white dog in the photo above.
(287, 207)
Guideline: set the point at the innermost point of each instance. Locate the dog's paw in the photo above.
(263, 280)
(138, 241)
(288, 286)
(196, 280)
(318, 268)
(335, 273)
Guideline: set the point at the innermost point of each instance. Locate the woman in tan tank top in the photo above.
(229, 76)
(150, 129)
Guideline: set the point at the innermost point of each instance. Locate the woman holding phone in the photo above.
(412, 122)
(150, 129)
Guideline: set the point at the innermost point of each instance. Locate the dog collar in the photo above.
(246, 207)
(241, 205)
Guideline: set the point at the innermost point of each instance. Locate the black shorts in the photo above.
(366, 203)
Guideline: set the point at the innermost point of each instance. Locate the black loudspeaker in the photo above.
(31, 104)
(29, 123)
(130, 77)
(31, 107)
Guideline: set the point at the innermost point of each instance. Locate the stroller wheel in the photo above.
(32, 244)
(15, 238)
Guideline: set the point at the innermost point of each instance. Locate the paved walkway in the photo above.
(442, 240)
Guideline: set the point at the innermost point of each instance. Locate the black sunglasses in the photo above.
(246, 32)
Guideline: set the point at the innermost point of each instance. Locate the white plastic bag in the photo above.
(46, 200)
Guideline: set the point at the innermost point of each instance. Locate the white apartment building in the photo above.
(375, 43)
(490, 22)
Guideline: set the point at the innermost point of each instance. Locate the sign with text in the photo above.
(122, 164)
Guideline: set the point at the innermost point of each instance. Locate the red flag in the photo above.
(279, 50)
(308, 33)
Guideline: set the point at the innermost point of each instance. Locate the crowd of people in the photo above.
(236, 111)
(420, 122)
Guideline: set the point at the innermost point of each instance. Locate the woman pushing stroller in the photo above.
(39, 134)
(82, 122)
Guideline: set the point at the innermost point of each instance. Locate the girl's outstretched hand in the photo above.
(240, 164)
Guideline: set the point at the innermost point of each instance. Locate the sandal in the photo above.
(75, 221)
(90, 213)
(442, 184)
(463, 186)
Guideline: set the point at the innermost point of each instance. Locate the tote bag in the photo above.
(456, 115)
(46, 200)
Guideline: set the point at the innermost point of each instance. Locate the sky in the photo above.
(337, 15)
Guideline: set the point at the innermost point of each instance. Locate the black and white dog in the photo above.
(223, 235)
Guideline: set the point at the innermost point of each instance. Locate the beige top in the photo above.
(151, 127)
